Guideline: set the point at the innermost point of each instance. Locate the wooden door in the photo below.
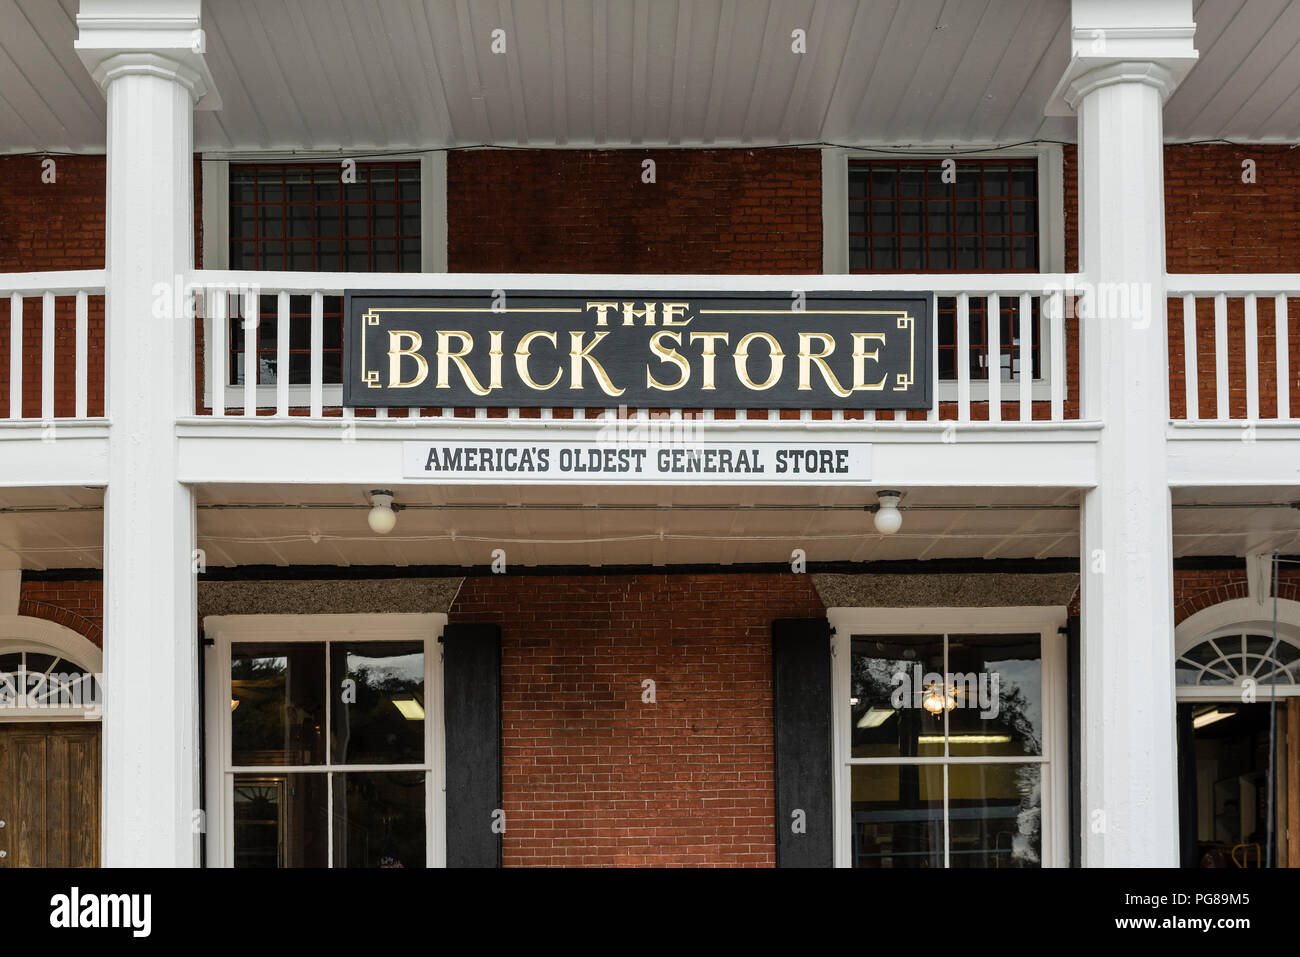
(49, 794)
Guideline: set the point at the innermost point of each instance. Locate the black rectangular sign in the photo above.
(641, 350)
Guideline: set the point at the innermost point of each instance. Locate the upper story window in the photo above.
(317, 217)
(313, 217)
(917, 216)
(903, 217)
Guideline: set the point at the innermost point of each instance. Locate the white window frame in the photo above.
(223, 630)
(1051, 229)
(216, 243)
(20, 633)
(1236, 617)
(1046, 621)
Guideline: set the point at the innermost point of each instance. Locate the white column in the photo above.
(1127, 60)
(146, 64)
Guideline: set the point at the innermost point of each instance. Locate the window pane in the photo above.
(277, 695)
(988, 229)
(378, 706)
(281, 820)
(995, 814)
(379, 819)
(888, 678)
(998, 685)
(897, 816)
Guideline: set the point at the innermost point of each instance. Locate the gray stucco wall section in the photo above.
(944, 591)
(367, 596)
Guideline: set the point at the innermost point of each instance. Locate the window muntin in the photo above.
(304, 217)
(37, 679)
(904, 218)
(958, 784)
(1228, 659)
(355, 797)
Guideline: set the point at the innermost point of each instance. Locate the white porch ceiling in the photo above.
(63, 527)
(363, 75)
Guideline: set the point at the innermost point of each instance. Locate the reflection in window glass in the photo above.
(281, 820)
(279, 710)
(378, 709)
(936, 697)
(995, 815)
(277, 700)
(897, 816)
(379, 819)
(887, 686)
(998, 687)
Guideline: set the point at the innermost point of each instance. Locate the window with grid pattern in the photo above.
(304, 217)
(903, 217)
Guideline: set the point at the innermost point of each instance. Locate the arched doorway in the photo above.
(1238, 692)
(50, 704)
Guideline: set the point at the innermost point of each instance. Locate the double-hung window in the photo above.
(326, 740)
(948, 738)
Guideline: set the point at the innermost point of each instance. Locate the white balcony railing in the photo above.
(1229, 371)
(68, 303)
(296, 303)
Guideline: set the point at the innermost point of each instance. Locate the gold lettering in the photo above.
(709, 354)
(807, 358)
(667, 354)
(395, 353)
(674, 309)
(601, 308)
(646, 312)
(860, 353)
(522, 355)
(741, 358)
(446, 356)
(578, 354)
(494, 358)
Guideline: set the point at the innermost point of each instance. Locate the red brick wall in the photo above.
(591, 775)
(1216, 223)
(1197, 590)
(708, 211)
(78, 605)
(53, 227)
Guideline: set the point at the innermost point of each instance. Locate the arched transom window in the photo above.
(1231, 657)
(37, 681)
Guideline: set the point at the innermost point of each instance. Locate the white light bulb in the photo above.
(888, 518)
(382, 518)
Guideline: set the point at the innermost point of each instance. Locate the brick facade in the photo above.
(1197, 590)
(594, 776)
(78, 605)
(708, 211)
(56, 227)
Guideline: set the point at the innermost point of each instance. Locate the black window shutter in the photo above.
(801, 687)
(1074, 689)
(471, 681)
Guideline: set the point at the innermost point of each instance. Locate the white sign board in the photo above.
(593, 461)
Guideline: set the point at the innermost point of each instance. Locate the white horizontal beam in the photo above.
(369, 454)
(334, 283)
(62, 283)
(58, 452)
(1235, 453)
(1233, 284)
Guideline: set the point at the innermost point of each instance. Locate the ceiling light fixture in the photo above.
(888, 518)
(1209, 717)
(383, 513)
